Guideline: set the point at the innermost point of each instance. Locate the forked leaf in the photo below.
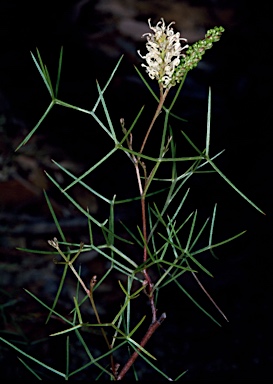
(110, 124)
(199, 234)
(107, 84)
(42, 70)
(91, 169)
(93, 191)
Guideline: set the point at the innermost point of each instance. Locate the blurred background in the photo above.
(94, 35)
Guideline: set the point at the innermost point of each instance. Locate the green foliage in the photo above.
(165, 252)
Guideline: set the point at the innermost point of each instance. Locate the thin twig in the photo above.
(92, 285)
(208, 295)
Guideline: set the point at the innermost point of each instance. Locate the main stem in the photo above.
(143, 191)
(143, 342)
(163, 96)
(143, 187)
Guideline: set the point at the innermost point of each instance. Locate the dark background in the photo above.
(238, 68)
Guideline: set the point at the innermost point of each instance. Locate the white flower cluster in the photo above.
(164, 52)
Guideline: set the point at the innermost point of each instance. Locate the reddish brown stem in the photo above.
(153, 327)
(163, 96)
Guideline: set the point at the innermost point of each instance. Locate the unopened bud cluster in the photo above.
(195, 53)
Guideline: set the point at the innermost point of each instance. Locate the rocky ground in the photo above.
(94, 36)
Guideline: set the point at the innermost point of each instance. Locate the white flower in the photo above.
(164, 52)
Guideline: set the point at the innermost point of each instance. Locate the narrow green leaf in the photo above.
(111, 238)
(151, 364)
(131, 234)
(75, 203)
(121, 254)
(56, 222)
(46, 306)
(191, 231)
(66, 265)
(107, 84)
(133, 342)
(192, 144)
(211, 230)
(196, 303)
(33, 359)
(42, 71)
(132, 126)
(78, 309)
(178, 91)
(164, 133)
(59, 72)
(67, 105)
(128, 309)
(49, 83)
(180, 205)
(29, 369)
(67, 330)
(91, 358)
(208, 123)
(81, 182)
(28, 136)
(235, 188)
(67, 356)
(218, 244)
(137, 326)
(110, 153)
(116, 262)
(91, 240)
(199, 234)
(174, 276)
(181, 374)
(110, 124)
(199, 265)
